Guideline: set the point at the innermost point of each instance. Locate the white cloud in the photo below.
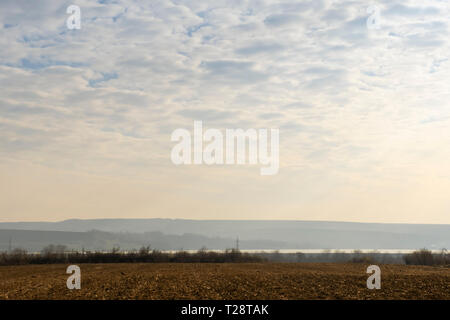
(352, 104)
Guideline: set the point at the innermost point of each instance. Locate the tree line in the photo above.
(54, 254)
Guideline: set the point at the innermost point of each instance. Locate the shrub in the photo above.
(426, 257)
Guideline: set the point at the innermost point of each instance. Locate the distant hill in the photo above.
(253, 234)
(34, 241)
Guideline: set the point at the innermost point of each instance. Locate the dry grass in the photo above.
(224, 281)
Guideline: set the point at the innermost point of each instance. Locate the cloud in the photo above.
(355, 107)
(283, 19)
(401, 10)
(258, 48)
(210, 114)
(234, 72)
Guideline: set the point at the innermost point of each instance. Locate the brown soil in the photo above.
(224, 281)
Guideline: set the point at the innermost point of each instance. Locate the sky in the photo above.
(363, 113)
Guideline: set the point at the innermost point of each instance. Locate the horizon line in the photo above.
(222, 220)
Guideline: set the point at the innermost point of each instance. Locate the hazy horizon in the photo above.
(199, 219)
(172, 234)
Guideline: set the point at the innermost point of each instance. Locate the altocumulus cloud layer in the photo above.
(86, 115)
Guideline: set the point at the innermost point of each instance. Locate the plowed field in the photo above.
(224, 281)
